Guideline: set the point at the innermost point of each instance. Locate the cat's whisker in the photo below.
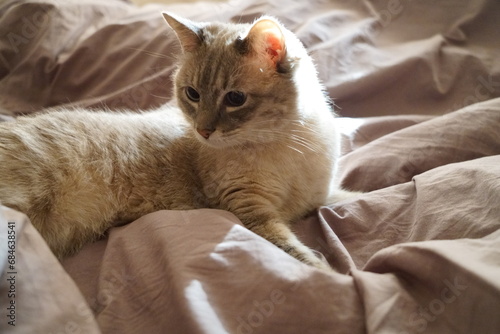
(161, 97)
(303, 131)
(153, 54)
(306, 146)
(284, 137)
(295, 149)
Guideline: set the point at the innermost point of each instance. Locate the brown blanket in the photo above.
(419, 252)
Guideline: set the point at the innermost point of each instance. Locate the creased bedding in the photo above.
(417, 86)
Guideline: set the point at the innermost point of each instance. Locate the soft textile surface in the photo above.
(36, 294)
(375, 57)
(418, 253)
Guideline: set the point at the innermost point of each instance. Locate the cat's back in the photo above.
(75, 154)
(82, 131)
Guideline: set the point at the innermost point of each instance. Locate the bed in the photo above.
(416, 85)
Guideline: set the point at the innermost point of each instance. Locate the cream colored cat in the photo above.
(254, 135)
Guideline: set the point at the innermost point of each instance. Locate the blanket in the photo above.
(416, 86)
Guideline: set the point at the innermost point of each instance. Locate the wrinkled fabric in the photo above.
(36, 293)
(418, 256)
(417, 84)
(374, 57)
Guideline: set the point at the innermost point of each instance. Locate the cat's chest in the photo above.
(280, 176)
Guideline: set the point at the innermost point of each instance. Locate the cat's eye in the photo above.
(235, 99)
(192, 94)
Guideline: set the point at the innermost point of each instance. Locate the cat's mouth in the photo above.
(215, 139)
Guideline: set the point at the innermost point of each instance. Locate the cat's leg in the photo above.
(68, 223)
(340, 194)
(68, 212)
(279, 233)
(65, 229)
(71, 236)
(256, 207)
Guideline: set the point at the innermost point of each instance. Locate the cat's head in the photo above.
(235, 82)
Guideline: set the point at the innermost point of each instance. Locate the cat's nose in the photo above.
(205, 133)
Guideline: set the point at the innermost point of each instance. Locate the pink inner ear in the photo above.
(268, 40)
(275, 46)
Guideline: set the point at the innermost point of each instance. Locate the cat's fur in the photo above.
(270, 161)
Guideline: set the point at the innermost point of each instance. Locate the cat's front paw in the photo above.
(306, 255)
(341, 194)
(314, 261)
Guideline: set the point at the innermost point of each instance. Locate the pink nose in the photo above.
(205, 133)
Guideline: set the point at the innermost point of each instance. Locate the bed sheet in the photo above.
(417, 86)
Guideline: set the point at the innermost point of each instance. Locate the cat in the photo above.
(254, 134)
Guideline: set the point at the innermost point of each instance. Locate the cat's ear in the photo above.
(189, 33)
(267, 40)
